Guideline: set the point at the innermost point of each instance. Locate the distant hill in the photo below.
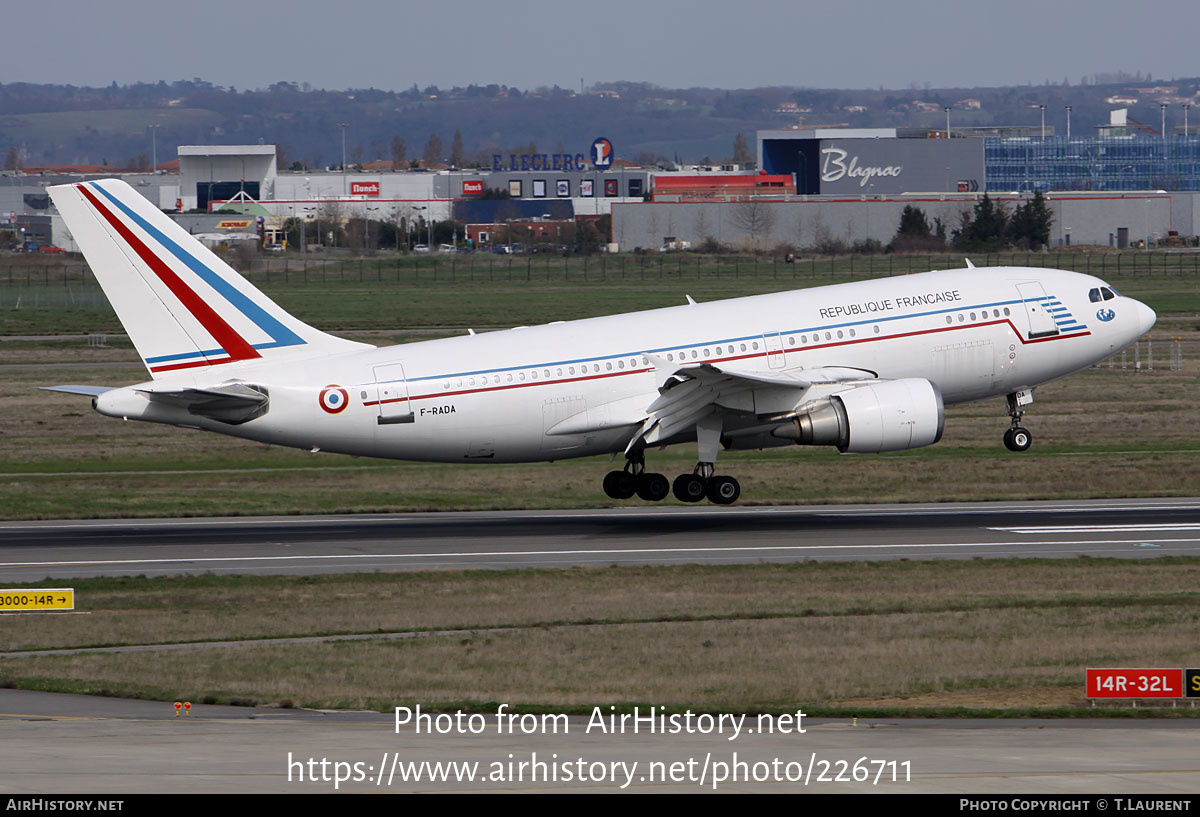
(62, 124)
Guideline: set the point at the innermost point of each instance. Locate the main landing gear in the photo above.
(703, 483)
(1018, 438)
(634, 480)
(700, 484)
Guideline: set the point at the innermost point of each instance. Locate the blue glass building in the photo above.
(1134, 162)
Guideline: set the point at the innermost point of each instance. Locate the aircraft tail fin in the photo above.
(182, 306)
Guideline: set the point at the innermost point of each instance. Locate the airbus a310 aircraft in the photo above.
(866, 366)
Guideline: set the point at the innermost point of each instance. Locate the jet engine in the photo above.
(888, 416)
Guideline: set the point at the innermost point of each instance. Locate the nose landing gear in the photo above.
(1017, 438)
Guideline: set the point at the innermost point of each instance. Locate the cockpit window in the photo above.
(1094, 295)
(1107, 293)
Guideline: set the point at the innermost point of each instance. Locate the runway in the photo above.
(1121, 528)
(76, 743)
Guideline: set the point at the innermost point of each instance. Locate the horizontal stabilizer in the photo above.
(235, 403)
(88, 391)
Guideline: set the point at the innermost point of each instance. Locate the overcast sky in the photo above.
(339, 44)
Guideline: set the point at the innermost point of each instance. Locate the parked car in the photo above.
(446, 249)
(272, 248)
(51, 249)
(420, 248)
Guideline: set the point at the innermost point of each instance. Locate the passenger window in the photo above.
(877, 328)
(608, 365)
(851, 333)
(706, 354)
(972, 316)
(803, 339)
(949, 319)
(840, 334)
(521, 376)
(743, 347)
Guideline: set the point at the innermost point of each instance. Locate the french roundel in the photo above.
(334, 399)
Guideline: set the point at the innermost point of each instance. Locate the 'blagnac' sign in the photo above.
(834, 167)
(885, 166)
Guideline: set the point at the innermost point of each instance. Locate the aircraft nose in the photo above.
(1145, 318)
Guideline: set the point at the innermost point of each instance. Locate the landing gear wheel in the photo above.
(688, 488)
(1017, 439)
(723, 490)
(652, 487)
(619, 484)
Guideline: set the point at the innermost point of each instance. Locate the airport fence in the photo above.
(20, 275)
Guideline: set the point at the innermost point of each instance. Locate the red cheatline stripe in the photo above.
(874, 339)
(224, 334)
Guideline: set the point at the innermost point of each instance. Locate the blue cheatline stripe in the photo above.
(278, 332)
(664, 349)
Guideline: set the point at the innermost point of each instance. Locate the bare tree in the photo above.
(755, 218)
(399, 152)
(458, 156)
(433, 150)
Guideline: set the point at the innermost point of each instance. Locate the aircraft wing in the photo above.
(689, 393)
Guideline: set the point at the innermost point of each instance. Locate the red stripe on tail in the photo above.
(224, 334)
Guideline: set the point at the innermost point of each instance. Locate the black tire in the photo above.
(688, 488)
(723, 490)
(1018, 439)
(653, 487)
(619, 484)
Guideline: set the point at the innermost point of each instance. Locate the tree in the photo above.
(1031, 222)
(986, 230)
(914, 233)
(741, 149)
(399, 150)
(433, 150)
(756, 218)
(458, 156)
(13, 160)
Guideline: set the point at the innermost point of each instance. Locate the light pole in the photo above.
(947, 110)
(1162, 107)
(1185, 125)
(1043, 109)
(343, 126)
(1068, 123)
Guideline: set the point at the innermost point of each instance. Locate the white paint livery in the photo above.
(864, 366)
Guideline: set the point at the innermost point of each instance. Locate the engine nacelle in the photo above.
(890, 416)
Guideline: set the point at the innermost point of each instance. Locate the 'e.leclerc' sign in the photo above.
(539, 161)
(601, 159)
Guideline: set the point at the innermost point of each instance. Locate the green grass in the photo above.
(487, 291)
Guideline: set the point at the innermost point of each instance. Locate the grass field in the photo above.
(993, 636)
(972, 637)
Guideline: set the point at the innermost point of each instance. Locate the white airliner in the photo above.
(866, 367)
